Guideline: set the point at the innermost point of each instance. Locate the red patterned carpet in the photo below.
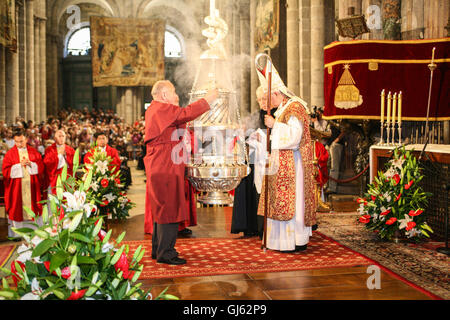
(209, 256)
(5, 253)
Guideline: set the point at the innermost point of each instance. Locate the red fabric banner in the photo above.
(357, 71)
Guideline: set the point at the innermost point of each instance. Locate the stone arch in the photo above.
(58, 9)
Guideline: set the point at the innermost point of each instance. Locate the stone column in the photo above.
(292, 33)
(22, 48)
(30, 60)
(2, 82)
(12, 85)
(43, 70)
(305, 50)
(37, 69)
(254, 81)
(317, 44)
(128, 104)
(246, 59)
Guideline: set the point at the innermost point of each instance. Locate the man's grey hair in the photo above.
(159, 87)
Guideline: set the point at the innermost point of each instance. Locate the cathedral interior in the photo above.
(48, 67)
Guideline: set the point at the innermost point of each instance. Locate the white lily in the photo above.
(411, 233)
(24, 253)
(36, 290)
(398, 163)
(110, 197)
(75, 201)
(107, 247)
(404, 222)
(102, 166)
(94, 186)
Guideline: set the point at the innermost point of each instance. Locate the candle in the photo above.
(388, 116)
(400, 108)
(394, 109)
(382, 106)
(432, 56)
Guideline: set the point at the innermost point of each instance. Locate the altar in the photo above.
(435, 163)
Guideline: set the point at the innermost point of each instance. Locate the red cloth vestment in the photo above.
(165, 188)
(322, 160)
(114, 166)
(51, 164)
(13, 186)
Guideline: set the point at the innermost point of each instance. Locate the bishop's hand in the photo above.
(211, 95)
(269, 121)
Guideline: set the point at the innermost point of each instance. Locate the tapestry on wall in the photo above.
(356, 72)
(127, 52)
(8, 24)
(267, 25)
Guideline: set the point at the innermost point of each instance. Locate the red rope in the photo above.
(350, 179)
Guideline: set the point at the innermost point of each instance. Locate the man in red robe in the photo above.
(23, 180)
(55, 157)
(102, 144)
(165, 190)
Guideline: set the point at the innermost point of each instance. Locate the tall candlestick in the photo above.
(382, 107)
(388, 116)
(400, 108)
(394, 108)
(432, 55)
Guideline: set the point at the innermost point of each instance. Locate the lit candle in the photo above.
(382, 106)
(388, 116)
(394, 109)
(400, 108)
(432, 56)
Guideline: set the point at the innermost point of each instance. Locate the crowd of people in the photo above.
(80, 127)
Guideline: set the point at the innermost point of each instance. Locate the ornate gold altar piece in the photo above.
(219, 158)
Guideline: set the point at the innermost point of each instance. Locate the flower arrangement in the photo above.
(106, 187)
(70, 257)
(394, 204)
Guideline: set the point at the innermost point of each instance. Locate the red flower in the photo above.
(65, 272)
(398, 197)
(373, 198)
(410, 225)
(104, 182)
(101, 234)
(413, 213)
(364, 219)
(16, 278)
(122, 265)
(77, 295)
(117, 180)
(391, 221)
(362, 200)
(397, 179)
(384, 213)
(61, 213)
(409, 184)
(104, 203)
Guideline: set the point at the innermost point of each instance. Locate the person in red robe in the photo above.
(189, 192)
(56, 157)
(23, 179)
(102, 144)
(165, 188)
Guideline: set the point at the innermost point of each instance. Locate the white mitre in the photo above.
(278, 84)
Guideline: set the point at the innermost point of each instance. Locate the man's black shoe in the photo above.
(185, 232)
(153, 256)
(301, 248)
(314, 227)
(174, 261)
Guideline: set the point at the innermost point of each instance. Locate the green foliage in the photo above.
(104, 187)
(70, 257)
(395, 202)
